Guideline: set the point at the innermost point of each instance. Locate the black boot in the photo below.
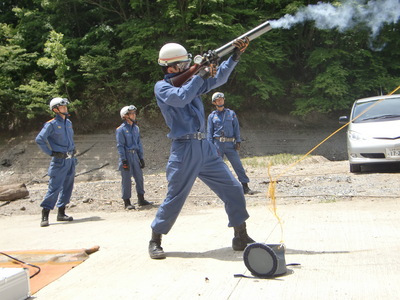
(241, 239)
(61, 216)
(141, 200)
(45, 217)
(155, 249)
(128, 204)
(246, 189)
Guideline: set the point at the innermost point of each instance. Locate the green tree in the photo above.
(56, 58)
(104, 53)
(15, 64)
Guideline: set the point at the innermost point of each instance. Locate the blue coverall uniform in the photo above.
(225, 123)
(192, 155)
(57, 135)
(129, 147)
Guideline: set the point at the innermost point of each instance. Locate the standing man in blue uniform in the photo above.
(56, 139)
(192, 155)
(130, 151)
(223, 130)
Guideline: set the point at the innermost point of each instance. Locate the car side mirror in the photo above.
(343, 120)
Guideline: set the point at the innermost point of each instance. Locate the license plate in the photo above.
(393, 153)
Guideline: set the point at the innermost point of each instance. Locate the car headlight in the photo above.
(355, 136)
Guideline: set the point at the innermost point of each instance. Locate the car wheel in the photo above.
(355, 168)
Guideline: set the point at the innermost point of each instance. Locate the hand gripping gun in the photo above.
(212, 56)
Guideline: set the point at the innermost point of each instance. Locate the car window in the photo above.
(385, 110)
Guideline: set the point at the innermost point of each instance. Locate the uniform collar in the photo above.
(59, 118)
(127, 124)
(170, 75)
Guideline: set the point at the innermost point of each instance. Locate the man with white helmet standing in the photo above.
(130, 151)
(192, 155)
(57, 140)
(223, 130)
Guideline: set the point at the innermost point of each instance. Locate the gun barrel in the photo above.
(251, 34)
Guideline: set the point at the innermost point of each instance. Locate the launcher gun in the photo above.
(213, 56)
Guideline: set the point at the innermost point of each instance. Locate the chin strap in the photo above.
(66, 114)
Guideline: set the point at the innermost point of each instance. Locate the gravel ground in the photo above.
(314, 180)
(323, 177)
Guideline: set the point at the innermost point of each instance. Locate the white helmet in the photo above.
(56, 102)
(124, 111)
(172, 53)
(217, 95)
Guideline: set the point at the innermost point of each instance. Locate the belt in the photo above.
(131, 151)
(223, 139)
(194, 136)
(67, 155)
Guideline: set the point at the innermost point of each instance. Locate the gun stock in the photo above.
(181, 78)
(252, 34)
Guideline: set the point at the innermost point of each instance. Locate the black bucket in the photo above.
(265, 260)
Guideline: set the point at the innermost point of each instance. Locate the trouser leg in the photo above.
(126, 188)
(139, 181)
(182, 169)
(51, 197)
(180, 183)
(216, 174)
(137, 174)
(126, 184)
(234, 159)
(57, 172)
(67, 185)
(66, 191)
(219, 178)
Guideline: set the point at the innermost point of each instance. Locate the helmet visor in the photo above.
(183, 65)
(63, 101)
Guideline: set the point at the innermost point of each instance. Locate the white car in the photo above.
(373, 135)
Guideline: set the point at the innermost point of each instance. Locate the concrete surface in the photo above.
(347, 250)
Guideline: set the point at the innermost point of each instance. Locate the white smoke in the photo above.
(346, 15)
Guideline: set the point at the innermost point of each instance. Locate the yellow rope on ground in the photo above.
(272, 183)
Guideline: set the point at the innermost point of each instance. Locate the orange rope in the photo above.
(272, 184)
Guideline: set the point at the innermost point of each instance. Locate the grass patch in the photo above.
(330, 200)
(264, 161)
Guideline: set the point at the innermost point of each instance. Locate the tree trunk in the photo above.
(13, 192)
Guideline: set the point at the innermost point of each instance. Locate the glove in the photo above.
(237, 146)
(241, 45)
(141, 163)
(213, 70)
(208, 71)
(125, 165)
(204, 73)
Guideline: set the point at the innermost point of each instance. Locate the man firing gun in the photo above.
(192, 155)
